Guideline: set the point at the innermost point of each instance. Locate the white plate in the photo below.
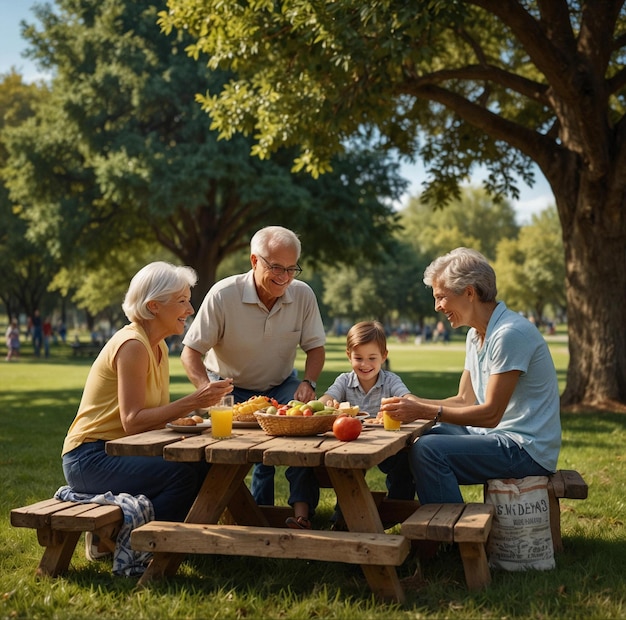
(189, 430)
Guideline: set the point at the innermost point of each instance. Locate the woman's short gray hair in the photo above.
(269, 237)
(158, 281)
(461, 268)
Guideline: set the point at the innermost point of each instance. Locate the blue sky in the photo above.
(532, 200)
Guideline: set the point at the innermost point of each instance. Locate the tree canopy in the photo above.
(120, 151)
(456, 83)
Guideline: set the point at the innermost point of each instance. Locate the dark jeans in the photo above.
(399, 480)
(171, 487)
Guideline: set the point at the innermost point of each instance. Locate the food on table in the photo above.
(347, 428)
(184, 422)
(294, 407)
(244, 412)
(198, 419)
(348, 409)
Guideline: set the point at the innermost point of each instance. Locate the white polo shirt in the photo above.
(244, 340)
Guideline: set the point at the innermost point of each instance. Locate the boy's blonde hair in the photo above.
(367, 331)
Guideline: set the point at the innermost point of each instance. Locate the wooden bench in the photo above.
(564, 484)
(59, 526)
(242, 540)
(466, 524)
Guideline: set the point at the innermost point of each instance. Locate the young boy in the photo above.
(366, 386)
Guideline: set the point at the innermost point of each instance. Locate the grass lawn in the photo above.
(38, 400)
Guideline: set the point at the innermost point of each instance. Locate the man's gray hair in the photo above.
(271, 237)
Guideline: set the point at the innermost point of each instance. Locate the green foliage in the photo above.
(387, 290)
(349, 69)
(26, 269)
(531, 269)
(472, 220)
(120, 151)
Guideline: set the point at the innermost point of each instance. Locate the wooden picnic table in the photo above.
(250, 532)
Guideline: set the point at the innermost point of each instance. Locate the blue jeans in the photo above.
(303, 485)
(171, 487)
(448, 456)
(399, 481)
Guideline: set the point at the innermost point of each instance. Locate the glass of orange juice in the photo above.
(389, 423)
(222, 418)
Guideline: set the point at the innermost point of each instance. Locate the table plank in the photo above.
(245, 446)
(374, 446)
(150, 443)
(190, 449)
(298, 451)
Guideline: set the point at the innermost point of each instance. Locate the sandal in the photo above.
(298, 523)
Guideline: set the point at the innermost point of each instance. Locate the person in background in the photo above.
(46, 331)
(249, 327)
(504, 422)
(62, 331)
(13, 340)
(366, 386)
(36, 329)
(127, 392)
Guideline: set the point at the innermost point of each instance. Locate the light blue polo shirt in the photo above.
(347, 388)
(532, 417)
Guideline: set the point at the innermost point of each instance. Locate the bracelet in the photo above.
(438, 416)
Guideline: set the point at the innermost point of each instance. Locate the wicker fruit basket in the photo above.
(295, 425)
(244, 417)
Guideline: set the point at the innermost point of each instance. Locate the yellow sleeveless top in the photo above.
(98, 414)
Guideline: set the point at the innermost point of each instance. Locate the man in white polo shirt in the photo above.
(249, 327)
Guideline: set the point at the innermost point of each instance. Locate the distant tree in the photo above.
(531, 270)
(121, 151)
(387, 290)
(26, 267)
(457, 84)
(472, 219)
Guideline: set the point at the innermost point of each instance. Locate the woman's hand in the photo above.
(211, 393)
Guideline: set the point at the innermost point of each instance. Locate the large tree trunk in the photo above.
(594, 236)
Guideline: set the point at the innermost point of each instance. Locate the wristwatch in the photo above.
(313, 384)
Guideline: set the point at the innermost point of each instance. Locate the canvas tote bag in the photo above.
(520, 537)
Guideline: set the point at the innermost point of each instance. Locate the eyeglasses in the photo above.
(279, 270)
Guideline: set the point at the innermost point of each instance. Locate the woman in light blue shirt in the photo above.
(505, 420)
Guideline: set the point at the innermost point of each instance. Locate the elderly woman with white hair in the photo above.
(127, 392)
(504, 422)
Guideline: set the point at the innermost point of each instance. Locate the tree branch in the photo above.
(552, 61)
(533, 144)
(528, 88)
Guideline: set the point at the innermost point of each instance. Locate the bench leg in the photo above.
(161, 565)
(475, 565)
(58, 554)
(555, 521)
